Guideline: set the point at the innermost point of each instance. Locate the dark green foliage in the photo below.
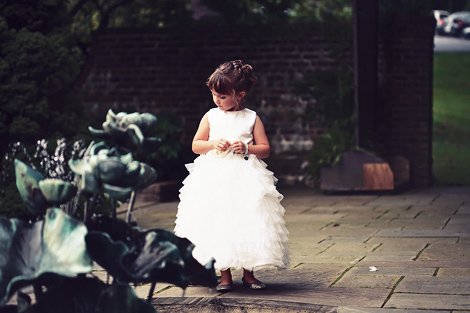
(171, 156)
(333, 91)
(249, 11)
(94, 15)
(38, 64)
(328, 149)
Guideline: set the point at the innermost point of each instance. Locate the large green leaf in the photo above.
(27, 182)
(155, 261)
(105, 169)
(132, 255)
(35, 253)
(39, 193)
(88, 295)
(130, 131)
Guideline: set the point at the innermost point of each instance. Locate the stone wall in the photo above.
(154, 70)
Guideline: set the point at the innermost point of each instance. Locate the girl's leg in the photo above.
(225, 277)
(249, 281)
(249, 277)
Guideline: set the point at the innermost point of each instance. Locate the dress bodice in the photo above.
(232, 125)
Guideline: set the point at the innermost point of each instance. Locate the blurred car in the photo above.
(440, 15)
(454, 24)
(466, 33)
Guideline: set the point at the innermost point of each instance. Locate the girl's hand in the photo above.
(222, 144)
(238, 147)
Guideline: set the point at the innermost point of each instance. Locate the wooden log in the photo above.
(378, 176)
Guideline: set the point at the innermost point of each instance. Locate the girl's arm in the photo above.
(261, 148)
(201, 143)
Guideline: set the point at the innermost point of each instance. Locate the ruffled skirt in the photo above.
(230, 210)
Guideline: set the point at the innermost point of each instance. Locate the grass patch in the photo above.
(451, 113)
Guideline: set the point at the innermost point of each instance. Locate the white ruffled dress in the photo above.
(229, 207)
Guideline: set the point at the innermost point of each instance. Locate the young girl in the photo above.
(229, 206)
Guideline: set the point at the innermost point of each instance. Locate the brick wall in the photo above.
(405, 94)
(151, 70)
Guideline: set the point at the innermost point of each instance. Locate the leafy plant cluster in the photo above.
(55, 253)
(332, 89)
(333, 109)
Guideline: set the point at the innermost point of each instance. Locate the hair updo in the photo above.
(232, 77)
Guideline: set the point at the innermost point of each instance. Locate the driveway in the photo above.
(451, 44)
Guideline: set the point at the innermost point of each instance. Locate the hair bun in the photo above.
(237, 64)
(247, 72)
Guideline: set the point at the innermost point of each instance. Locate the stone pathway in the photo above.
(350, 253)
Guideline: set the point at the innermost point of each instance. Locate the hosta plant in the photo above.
(55, 253)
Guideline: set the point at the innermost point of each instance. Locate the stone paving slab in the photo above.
(420, 233)
(367, 281)
(458, 223)
(440, 251)
(348, 248)
(444, 201)
(360, 234)
(393, 271)
(464, 209)
(390, 245)
(402, 257)
(400, 200)
(155, 216)
(435, 285)
(429, 302)
(384, 310)
(415, 264)
(453, 272)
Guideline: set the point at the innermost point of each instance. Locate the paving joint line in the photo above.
(381, 215)
(345, 271)
(373, 250)
(420, 252)
(301, 263)
(325, 226)
(371, 236)
(326, 238)
(445, 224)
(434, 199)
(392, 291)
(326, 248)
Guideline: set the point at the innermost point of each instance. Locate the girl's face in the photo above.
(226, 102)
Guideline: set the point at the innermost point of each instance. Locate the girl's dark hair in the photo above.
(232, 77)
